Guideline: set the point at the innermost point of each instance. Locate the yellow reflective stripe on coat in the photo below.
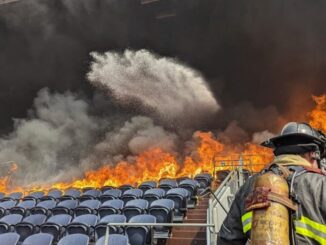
(311, 229)
(246, 222)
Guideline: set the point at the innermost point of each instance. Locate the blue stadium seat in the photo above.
(192, 187)
(204, 179)
(153, 194)
(35, 196)
(167, 184)
(53, 194)
(29, 225)
(74, 239)
(179, 196)
(65, 207)
(90, 195)
(83, 224)
(55, 225)
(71, 194)
(163, 210)
(140, 235)
(8, 222)
(135, 207)
(44, 207)
(114, 239)
(100, 228)
(15, 196)
(110, 207)
(106, 188)
(87, 207)
(110, 195)
(5, 206)
(9, 238)
(39, 239)
(23, 207)
(131, 194)
(146, 185)
(123, 188)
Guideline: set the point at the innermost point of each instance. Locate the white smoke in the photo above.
(172, 91)
(259, 137)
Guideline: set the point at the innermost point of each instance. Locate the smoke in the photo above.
(170, 90)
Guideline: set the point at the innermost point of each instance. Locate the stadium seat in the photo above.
(140, 235)
(53, 194)
(123, 188)
(135, 207)
(55, 225)
(39, 239)
(74, 239)
(23, 207)
(87, 207)
(110, 207)
(8, 222)
(44, 207)
(5, 206)
(100, 228)
(167, 184)
(114, 239)
(179, 196)
(163, 211)
(192, 187)
(29, 225)
(106, 188)
(71, 194)
(131, 194)
(83, 224)
(147, 185)
(9, 238)
(110, 194)
(153, 194)
(65, 207)
(204, 179)
(35, 196)
(15, 196)
(2, 195)
(90, 195)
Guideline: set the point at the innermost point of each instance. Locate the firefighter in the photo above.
(298, 151)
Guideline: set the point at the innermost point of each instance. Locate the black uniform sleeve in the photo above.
(231, 231)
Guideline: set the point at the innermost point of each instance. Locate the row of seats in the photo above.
(62, 225)
(201, 181)
(47, 239)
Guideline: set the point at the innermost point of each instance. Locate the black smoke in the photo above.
(261, 58)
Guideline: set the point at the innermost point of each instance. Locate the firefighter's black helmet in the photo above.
(295, 133)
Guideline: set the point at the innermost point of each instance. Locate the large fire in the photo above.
(210, 155)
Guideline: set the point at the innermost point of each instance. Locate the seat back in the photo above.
(110, 207)
(100, 228)
(110, 194)
(74, 239)
(83, 224)
(9, 239)
(44, 207)
(29, 225)
(114, 239)
(140, 235)
(65, 207)
(39, 239)
(7, 222)
(56, 225)
(87, 207)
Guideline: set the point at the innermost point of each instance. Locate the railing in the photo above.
(220, 203)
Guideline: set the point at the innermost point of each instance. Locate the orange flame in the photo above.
(208, 155)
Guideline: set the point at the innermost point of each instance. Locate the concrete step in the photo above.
(189, 234)
(203, 220)
(185, 241)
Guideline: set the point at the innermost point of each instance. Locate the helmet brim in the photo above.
(291, 139)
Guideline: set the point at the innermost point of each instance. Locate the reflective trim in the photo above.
(312, 229)
(246, 221)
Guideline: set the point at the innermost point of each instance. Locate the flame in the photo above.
(318, 115)
(208, 154)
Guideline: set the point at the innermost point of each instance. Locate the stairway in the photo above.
(191, 235)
